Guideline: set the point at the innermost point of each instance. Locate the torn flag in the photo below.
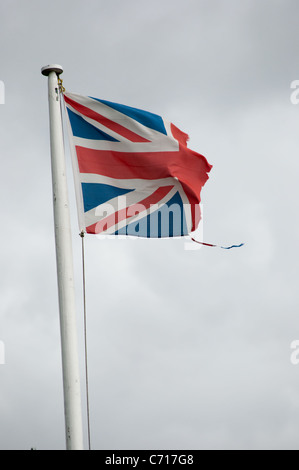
(134, 174)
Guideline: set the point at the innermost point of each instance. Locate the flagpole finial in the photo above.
(51, 68)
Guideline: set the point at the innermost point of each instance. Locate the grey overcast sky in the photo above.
(188, 349)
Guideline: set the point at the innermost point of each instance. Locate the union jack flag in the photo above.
(134, 174)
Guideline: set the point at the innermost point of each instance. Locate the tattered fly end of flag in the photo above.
(134, 174)
(218, 246)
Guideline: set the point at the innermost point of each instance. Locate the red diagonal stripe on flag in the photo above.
(114, 126)
(130, 211)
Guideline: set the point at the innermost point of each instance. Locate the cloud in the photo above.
(187, 349)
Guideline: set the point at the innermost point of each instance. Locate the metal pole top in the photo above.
(51, 68)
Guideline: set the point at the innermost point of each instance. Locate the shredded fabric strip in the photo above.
(217, 246)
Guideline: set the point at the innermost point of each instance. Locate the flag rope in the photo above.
(60, 84)
(82, 234)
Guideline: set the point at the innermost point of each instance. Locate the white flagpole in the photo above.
(65, 276)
